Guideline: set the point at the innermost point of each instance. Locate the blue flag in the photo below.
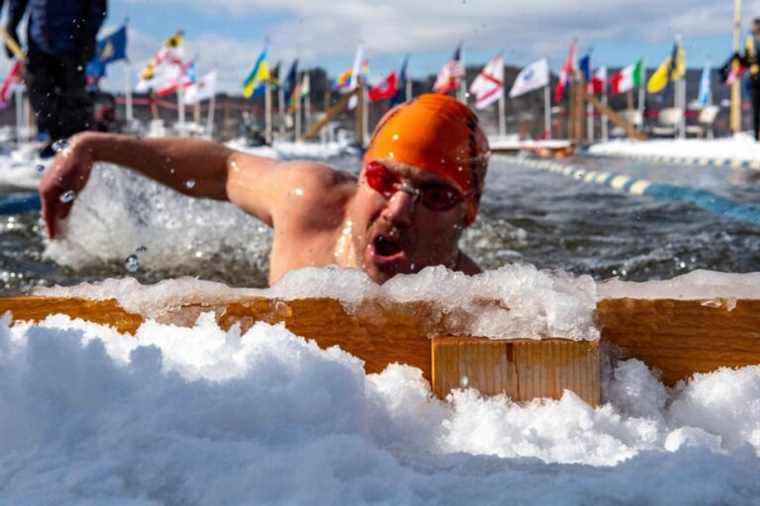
(290, 80)
(400, 95)
(110, 49)
(584, 64)
(705, 94)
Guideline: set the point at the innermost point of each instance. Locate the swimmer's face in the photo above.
(405, 219)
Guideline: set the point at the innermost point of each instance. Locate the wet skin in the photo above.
(320, 216)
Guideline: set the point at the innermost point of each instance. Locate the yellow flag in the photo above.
(679, 69)
(659, 79)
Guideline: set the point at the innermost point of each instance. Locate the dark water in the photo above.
(531, 216)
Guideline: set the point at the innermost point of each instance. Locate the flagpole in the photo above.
(463, 81)
(181, 106)
(604, 126)
(18, 95)
(502, 109)
(268, 112)
(642, 91)
(590, 121)
(408, 88)
(736, 93)
(365, 115)
(547, 112)
(210, 119)
(307, 107)
(281, 109)
(297, 112)
(128, 94)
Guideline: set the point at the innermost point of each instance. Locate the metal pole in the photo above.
(307, 109)
(590, 122)
(736, 94)
(18, 94)
(268, 113)
(297, 112)
(642, 92)
(605, 133)
(210, 119)
(408, 89)
(501, 110)
(547, 112)
(463, 81)
(365, 114)
(181, 106)
(129, 113)
(281, 110)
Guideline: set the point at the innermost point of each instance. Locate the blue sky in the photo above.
(227, 35)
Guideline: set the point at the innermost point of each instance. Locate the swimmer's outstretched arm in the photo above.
(194, 167)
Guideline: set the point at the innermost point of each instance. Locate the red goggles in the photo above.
(438, 197)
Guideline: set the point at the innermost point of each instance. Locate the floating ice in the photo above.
(202, 416)
(132, 263)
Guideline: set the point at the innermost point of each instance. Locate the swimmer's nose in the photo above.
(400, 209)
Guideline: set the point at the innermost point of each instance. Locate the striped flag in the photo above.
(627, 78)
(258, 76)
(488, 87)
(449, 76)
(566, 74)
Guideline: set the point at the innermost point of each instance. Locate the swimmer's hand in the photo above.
(62, 182)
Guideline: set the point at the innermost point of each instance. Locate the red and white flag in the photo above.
(386, 89)
(488, 87)
(566, 74)
(598, 81)
(449, 76)
(11, 82)
(203, 89)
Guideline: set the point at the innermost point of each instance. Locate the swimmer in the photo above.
(420, 186)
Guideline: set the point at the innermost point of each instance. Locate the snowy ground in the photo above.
(740, 147)
(202, 416)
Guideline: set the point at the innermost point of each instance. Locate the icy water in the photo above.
(125, 225)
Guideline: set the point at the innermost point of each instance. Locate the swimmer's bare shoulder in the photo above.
(294, 194)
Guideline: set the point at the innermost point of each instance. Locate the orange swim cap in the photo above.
(437, 133)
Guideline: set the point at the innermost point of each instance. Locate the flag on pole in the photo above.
(167, 65)
(566, 74)
(305, 85)
(258, 75)
(111, 48)
(202, 89)
(10, 84)
(291, 79)
(598, 81)
(584, 65)
(705, 93)
(401, 87)
(531, 77)
(671, 69)
(449, 76)
(627, 78)
(181, 76)
(385, 89)
(489, 85)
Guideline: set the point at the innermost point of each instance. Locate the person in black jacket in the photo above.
(61, 39)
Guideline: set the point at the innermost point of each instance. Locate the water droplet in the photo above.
(464, 381)
(190, 183)
(68, 196)
(394, 137)
(298, 192)
(40, 169)
(132, 263)
(60, 145)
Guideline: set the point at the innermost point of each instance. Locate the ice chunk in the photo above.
(696, 285)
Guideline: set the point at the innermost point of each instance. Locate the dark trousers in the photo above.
(57, 93)
(756, 107)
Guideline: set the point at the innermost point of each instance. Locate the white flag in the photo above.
(356, 70)
(204, 89)
(489, 85)
(532, 77)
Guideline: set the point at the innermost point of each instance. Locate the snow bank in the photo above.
(738, 147)
(200, 416)
(512, 301)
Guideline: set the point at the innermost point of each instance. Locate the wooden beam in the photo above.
(329, 116)
(615, 118)
(521, 368)
(682, 337)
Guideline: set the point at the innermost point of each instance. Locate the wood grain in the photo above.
(682, 337)
(521, 368)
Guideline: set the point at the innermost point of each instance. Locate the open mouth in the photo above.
(386, 246)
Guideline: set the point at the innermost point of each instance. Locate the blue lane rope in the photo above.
(684, 160)
(662, 191)
(18, 204)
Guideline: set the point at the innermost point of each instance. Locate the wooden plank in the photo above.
(521, 368)
(682, 337)
(615, 118)
(329, 116)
